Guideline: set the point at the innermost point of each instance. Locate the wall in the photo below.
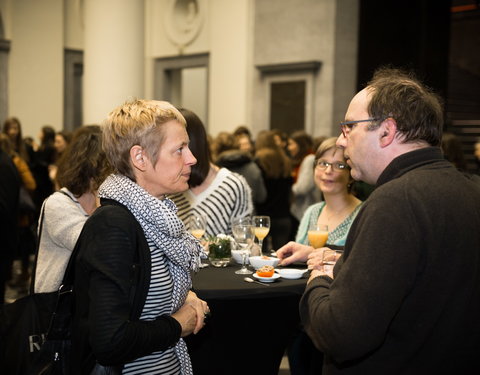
(230, 64)
(36, 64)
(74, 25)
(226, 33)
(294, 31)
(238, 35)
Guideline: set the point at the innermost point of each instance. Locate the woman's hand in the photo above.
(191, 315)
(201, 309)
(187, 317)
(293, 252)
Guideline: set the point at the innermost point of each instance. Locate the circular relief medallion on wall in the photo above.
(183, 21)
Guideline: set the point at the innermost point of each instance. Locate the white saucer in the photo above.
(290, 273)
(267, 279)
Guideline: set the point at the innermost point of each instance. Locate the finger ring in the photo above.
(206, 315)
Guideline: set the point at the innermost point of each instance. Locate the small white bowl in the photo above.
(290, 273)
(237, 256)
(260, 261)
(270, 279)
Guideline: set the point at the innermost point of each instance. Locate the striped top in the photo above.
(228, 196)
(158, 302)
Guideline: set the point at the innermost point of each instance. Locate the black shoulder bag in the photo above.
(24, 324)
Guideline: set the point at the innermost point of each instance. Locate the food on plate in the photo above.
(265, 271)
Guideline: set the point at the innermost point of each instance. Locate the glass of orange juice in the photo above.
(197, 224)
(261, 227)
(317, 235)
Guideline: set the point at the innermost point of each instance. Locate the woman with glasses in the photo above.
(340, 206)
(337, 211)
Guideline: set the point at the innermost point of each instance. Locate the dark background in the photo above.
(440, 41)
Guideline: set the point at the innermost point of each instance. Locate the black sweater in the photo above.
(406, 298)
(112, 277)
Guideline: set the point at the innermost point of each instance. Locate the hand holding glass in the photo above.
(329, 259)
(317, 235)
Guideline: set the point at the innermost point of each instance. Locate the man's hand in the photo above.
(293, 252)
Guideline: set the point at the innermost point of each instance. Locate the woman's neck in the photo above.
(337, 208)
(89, 202)
(212, 173)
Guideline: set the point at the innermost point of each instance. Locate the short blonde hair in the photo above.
(136, 122)
(326, 145)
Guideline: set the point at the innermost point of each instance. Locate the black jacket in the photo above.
(112, 278)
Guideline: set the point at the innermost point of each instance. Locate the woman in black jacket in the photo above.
(132, 275)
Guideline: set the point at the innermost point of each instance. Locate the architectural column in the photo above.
(113, 56)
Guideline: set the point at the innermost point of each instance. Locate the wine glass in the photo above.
(317, 235)
(242, 230)
(261, 226)
(197, 224)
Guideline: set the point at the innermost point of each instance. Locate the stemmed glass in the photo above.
(197, 224)
(261, 226)
(242, 230)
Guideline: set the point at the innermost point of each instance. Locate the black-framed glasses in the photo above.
(335, 166)
(347, 126)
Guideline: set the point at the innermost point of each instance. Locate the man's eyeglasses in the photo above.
(347, 126)
(335, 166)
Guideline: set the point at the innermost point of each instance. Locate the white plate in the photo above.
(266, 279)
(291, 273)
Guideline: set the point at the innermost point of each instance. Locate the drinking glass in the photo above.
(197, 224)
(329, 258)
(242, 230)
(261, 226)
(317, 235)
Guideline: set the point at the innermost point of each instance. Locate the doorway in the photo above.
(183, 81)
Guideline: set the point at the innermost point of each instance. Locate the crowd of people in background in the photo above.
(272, 173)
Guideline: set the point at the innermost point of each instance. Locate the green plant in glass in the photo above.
(220, 250)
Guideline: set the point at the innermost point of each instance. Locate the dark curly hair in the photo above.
(83, 165)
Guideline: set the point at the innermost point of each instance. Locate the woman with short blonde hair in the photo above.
(133, 275)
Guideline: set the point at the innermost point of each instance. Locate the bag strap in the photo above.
(37, 248)
(37, 244)
(59, 328)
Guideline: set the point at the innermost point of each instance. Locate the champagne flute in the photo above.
(261, 227)
(242, 230)
(317, 235)
(197, 224)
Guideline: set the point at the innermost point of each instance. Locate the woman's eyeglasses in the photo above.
(335, 166)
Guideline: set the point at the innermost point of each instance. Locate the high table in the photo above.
(251, 324)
